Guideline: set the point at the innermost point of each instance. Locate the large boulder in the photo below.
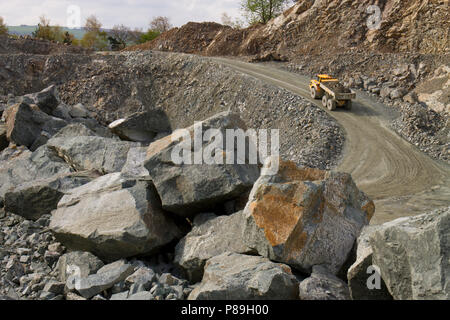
(413, 255)
(27, 125)
(46, 100)
(21, 166)
(187, 189)
(113, 216)
(142, 126)
(210, 237)
(134, 165)
(305, 217)
(364, 284)
(94, 153)
(35, 198)
(21, 125)
(323, 285)
(232, 276)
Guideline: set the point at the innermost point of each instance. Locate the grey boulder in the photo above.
(413, 255)
(141, 127)
(102, 280)
(78, 111)
(101, 154)
(46, 100)
(232, 276)
(33, 199)
(113, 216)
(77, 263)
(134, 165)
(142, 277)
(23, 124)
(210, 236)
(187, 189)
(364, 284)
(323, 285)
(22, 166)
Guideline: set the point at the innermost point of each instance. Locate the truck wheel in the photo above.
(324, 100)
(314, 93)
(331, 104)
(348, 105)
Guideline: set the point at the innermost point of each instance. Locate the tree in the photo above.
(160, 24)
(92, 24)
(262, 10)
(3, 27)
(94, 37)
(149, 36)
(43, 30)
(47, 32)
(68, 38)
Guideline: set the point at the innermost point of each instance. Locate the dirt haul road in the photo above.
(400, 179)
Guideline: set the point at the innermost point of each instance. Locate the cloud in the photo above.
(133, 13)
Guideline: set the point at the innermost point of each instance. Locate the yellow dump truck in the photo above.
(332, 93)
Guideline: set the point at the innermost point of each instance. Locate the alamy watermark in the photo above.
(374, 280)
(73, 17)
(374, 20)
(228, 146)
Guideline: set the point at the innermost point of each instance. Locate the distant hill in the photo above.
(28, 30)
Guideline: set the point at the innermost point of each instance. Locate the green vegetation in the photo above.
(95, 37)
(3, 27)
(149, 36)
(28, 31)
(91, 35)
(261, 11)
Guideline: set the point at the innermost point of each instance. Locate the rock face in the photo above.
(358, 274)
(142, 126)
(232, 276)
(323, 285)
(305, 217)
(413, 255)
(210, 237)
(113, 216)
(92, 152)
(186, 189)
(33, 199)
(295, 30)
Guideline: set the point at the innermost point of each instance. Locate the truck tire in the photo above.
(348, 105)
(331, 104)
(314, 94)
(324, 100)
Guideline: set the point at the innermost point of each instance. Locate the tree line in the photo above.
(120, 36)
(95, 37)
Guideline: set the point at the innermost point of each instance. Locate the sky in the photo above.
(132, 13)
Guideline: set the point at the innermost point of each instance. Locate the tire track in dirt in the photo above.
(401, 179)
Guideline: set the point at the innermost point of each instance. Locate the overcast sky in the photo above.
(133, 13)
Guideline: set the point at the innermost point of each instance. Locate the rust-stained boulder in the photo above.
(305, 217)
